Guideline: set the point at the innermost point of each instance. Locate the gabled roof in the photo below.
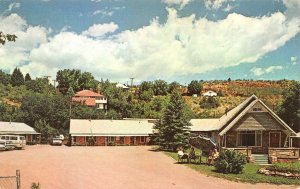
(228, 120)
(297, 135)
(204, 124)
(16, 128)
(80, 127)
(87, 93)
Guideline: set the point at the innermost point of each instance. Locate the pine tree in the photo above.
(17, 77)
(27, 77)
(173, 127)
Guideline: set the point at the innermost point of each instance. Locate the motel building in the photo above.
(251, 128)
(22, 129)
(110, 132)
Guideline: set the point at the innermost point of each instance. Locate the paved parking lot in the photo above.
(56, 167)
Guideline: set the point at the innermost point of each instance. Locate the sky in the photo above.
(173, 40)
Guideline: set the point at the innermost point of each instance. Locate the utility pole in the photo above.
(47, 77)
(131, 79)
(54, 82)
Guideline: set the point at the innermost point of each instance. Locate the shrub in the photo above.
(230, 161)
(209, 102)
(292, 167)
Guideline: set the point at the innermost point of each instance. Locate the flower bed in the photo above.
(290, 170)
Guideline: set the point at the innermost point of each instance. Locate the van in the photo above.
(6, 145)
(18, 141)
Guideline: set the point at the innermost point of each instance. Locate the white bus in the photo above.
(18, 141)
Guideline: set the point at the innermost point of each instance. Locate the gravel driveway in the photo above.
(56, 167)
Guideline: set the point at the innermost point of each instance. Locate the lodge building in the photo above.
(251, 127)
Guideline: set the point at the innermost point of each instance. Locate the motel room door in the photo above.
(132, 140)
(275, 139)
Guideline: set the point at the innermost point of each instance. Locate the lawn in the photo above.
(249, 174)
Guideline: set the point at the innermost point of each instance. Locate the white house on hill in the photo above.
(210, 93)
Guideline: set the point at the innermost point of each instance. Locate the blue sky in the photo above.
(178, 40)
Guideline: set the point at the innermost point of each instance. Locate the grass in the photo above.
(249, 174)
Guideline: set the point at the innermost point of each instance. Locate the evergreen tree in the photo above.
(17, 77)
(173, 127)
(4, 78)
(27, 77)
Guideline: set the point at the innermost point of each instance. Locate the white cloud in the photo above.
(228, 8)
(293, 8)
(262, 71)
(215, 4)
(181, 46)
(99, 30)
(13, 6)
(181, 3)
(29, 37)
(294, 60)
(104, 13)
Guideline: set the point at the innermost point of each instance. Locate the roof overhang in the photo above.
(108, 134)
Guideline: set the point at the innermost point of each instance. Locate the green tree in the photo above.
(173, 127)
(146, 95)
(17, 77)
(173, 86)
(289, 111)
(4, 78)
(194, 87)
(145, 86)
(7, 37)
(210, 102)
(39, 85)
(84, 112)
(68, 78)
(45, 129)
(160, 87)
(87, 81)
(27, 77)
(146, 91)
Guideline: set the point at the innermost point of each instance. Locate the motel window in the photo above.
(142, 139)
(249, 138)
(2, 137)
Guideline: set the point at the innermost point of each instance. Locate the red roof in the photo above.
(87, 93)
(85, 101)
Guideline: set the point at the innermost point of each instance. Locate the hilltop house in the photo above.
(122, 86)
(90, 99)
(210, 93)
(14, 128)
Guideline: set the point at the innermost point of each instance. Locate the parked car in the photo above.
(2, 145)
(6, 145)
(56, 141)
(19, 142)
